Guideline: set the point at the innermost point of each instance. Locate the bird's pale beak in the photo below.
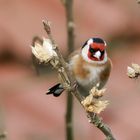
(97, 55)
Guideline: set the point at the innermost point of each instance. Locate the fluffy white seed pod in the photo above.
(136, 67)
(131, 72)
(45, 51)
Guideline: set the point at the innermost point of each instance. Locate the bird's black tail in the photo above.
(56, 90)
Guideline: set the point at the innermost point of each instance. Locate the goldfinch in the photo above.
(90, 66)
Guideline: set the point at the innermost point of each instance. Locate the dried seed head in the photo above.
(99, 106)
(130, 72)
(87, 101)
(97, 93)
(44, 52)
(136, 67)
(91, 102)
(133, 71)
(95, 106)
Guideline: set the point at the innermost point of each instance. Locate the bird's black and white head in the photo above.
(94, 51)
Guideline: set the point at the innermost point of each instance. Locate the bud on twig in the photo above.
(133, 71)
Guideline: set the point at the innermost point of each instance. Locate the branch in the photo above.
(68, 5)
(69, 115)
(67, 80)
(97, 121)
(62, 66)
(70, 25)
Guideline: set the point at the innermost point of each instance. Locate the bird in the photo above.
(90, 66)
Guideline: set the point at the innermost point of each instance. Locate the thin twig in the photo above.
(69, 82)
(69, 117)
(70, 25)
(97, 121)
(70, 44)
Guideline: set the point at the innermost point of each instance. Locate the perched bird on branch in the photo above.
(90, 66)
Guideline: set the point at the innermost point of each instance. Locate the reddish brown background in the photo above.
(26, 113)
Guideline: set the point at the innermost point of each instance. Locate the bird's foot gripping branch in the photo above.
(48, 52)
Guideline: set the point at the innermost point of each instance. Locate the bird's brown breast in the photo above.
(78, 68)
(91, 73)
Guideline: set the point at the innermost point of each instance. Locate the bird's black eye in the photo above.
(91, 50)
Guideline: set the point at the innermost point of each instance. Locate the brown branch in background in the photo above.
(70, 25)
(54, 57)
(68, 5)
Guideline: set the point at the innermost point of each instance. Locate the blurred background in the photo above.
(26, 113)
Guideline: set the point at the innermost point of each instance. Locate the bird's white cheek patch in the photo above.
(84, 53)
(90, 41)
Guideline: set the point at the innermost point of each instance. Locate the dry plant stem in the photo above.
(69, 116)
(97, 121)
(70, 25)
(69, 80)
(62, 67)
(70, 44)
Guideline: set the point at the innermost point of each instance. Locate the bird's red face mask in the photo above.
(96, 51)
